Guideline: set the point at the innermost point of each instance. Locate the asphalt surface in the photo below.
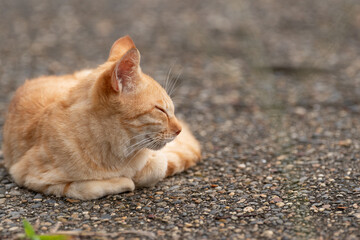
(271, 88)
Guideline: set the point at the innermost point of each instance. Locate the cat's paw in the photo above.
(94, 189)
(153, 172)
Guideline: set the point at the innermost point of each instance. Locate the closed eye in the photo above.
(161, 109)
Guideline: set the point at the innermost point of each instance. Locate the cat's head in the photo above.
(136, 101)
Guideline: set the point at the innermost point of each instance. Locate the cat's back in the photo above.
(36, 94)
(27, 109)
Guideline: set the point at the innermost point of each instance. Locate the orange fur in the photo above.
(96, 132)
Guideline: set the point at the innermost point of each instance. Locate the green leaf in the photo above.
(29, 230)
(53, 237)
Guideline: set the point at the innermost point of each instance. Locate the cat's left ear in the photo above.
(126, 73)
(120, 47)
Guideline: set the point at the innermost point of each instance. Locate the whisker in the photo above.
(141, 134)
(137, 145)
(168, 76)
(174, 86)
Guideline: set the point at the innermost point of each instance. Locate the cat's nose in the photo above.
(175, 126)
(178, 131)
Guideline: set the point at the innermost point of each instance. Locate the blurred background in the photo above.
(266, 84)
(264, 53)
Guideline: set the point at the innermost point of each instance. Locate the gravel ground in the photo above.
(271, 89)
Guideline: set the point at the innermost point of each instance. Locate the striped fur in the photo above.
(96, 132)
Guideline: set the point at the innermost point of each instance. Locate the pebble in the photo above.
(268, 234)
(37, 205)
(345, 143)
(276, 198)
(38, 196)
(14, 193)
(249, 209)
(105, 216)
(242, 166)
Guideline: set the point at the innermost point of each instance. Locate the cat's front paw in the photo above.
(153, 172)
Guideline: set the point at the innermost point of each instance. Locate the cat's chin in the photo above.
(157, 146)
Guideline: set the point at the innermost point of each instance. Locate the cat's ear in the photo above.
(120, 47)
(126, 73)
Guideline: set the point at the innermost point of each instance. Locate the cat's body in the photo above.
(96, 132)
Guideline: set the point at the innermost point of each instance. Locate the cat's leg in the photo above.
(91, 189)
(32, 173)
(85, 190)
(153, 171)
(182, 153)
(175, 157)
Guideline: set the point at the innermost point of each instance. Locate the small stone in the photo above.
(13, 229)
(345, 143)
(289, 167)
(276, 198)
(38, 196)
(76, 201)
(269, 185)
(14, 193)
(15, 215)
(188, 225)
(341, 208)
(280, 204)
(326, 206)
(357, 215)
(105, 216)
(174, 187)
(241, 166)
(162, 204)
(37, 205)
(268, 234)
(314, 208)
(2, 200)
(62, 219)
(300, 111)
(248, 209)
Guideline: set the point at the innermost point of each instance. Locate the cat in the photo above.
(96, 132)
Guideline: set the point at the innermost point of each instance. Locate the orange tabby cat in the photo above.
(96, 132)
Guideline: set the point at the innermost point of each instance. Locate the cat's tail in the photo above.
(183, 152)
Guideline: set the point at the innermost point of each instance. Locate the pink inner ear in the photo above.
(126, 72)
